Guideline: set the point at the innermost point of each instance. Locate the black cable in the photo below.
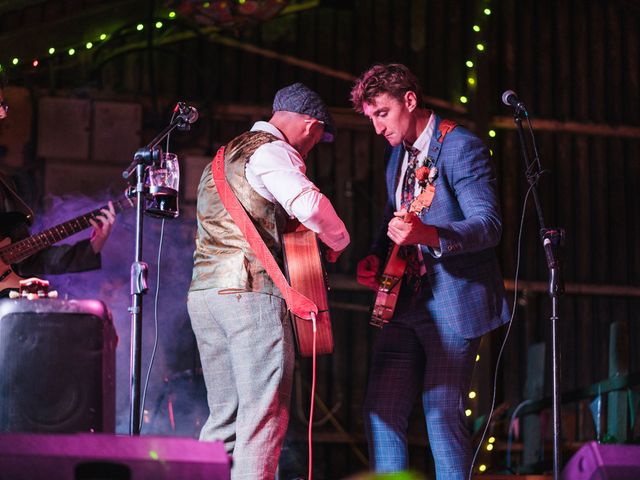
(155, 320)
(506, 336)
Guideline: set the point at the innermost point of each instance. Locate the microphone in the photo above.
(510, 99)
(187, 112)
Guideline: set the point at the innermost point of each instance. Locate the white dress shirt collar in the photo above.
(262, 126)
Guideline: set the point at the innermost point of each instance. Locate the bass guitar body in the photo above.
(9, 280)
(306, 274)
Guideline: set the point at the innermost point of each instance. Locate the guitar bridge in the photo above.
(385, 300)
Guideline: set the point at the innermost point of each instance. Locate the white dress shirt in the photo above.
(278, 173)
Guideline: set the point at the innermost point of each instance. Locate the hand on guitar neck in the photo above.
(102, 225)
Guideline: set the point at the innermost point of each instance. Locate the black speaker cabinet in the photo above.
(99, 456)
(604, 462)
(57, 366)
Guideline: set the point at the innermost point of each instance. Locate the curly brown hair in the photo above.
(392, 78)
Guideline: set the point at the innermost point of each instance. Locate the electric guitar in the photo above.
(303, 266)
(11, 253)
(388, 288)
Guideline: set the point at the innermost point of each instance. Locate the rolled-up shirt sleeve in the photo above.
(278, 173)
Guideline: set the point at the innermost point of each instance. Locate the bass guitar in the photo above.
(11, 253)
(306, 274)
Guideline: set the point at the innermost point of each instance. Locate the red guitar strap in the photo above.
(299, 305)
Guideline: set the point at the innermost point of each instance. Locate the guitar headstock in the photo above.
(34, 288)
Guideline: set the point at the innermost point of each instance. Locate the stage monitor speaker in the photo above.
(86, 456)
(604, 462)
(57, 366)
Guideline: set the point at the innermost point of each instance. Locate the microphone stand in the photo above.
(552, 241)
(136, 175)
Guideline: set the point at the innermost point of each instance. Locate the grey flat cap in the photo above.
(299, 98)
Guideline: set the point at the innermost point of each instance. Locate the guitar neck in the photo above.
(16, 252)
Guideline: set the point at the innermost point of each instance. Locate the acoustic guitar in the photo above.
(11, 253)
(303, 266)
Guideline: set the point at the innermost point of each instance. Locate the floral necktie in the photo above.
(410, 252)
(409, 182)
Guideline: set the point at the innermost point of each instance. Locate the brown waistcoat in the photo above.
(223, 258)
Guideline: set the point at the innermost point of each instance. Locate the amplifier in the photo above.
(57, 366)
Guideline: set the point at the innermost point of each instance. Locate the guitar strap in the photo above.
(299, 305)
(391, 278)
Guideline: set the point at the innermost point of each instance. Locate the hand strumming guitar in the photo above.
(407, 229)
(332, 255)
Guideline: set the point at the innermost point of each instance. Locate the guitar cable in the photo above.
(313, 395)
(506, 336)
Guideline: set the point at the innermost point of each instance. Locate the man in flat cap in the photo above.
(238, 315)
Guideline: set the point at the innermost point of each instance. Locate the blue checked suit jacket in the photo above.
(464, 276)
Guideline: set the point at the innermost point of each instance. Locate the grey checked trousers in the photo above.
(247, 354)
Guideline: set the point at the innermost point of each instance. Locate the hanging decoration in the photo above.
(228, 14)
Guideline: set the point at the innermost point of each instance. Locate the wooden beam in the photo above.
(547, 125)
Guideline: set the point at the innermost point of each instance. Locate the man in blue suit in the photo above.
(452, 291)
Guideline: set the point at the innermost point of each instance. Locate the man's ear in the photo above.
(410, 100)
(308, 125)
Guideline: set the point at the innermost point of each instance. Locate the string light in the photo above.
(472, 394)
(492, 439)
(479, 46)
(492, 133)
(482, 468)
(87, 45)
(490, 447)
(468, 412)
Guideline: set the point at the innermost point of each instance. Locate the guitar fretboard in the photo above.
(16, 252)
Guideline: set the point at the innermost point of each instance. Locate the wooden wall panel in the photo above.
(569, 61)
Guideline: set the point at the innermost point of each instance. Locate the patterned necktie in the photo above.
(410, 252)
(409, 182)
